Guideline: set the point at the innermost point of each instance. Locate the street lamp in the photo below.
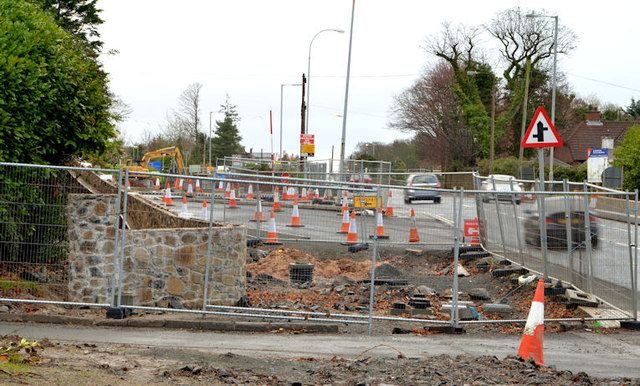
(553, 90)
(281, 97)
(493, 117)
(210, 112)
(346, 94)
(306, 123)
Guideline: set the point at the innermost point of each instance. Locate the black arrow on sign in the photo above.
(540, 127)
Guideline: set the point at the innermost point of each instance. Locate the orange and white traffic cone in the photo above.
(258, 213)
(164, 200)
(205, 212)
(227, 192)
(185, 207)
(325, 195)
(316, 194)
(295, 215)
(304, 196)
(175, 186)
(220, 186)
(285, 193)
(352, 236)
(197, 185)
(250, 192)
(379, 225)
(272, 235)
(167, 199)
(181, 184)
(233, 204)
(276, 201)
(157, 183)
(190, 188)
(344, 228)
(345, 204)
(389, 210)
(413, 232)
(532, 338)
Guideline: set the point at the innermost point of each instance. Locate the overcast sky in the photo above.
(249, 48)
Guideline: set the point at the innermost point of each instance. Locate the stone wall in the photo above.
(159, 265)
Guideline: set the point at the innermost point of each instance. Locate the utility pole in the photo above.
(302, 116)
(525, 99)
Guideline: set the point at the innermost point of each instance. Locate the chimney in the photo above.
(592, 115)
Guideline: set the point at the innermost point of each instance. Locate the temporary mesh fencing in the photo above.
(216, 244)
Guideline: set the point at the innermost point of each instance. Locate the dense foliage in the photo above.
(54, 101)
(627, 158)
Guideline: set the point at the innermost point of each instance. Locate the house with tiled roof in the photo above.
(590, 134)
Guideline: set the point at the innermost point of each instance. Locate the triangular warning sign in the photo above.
(541, 132)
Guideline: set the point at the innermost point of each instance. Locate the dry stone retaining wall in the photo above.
(158, 266)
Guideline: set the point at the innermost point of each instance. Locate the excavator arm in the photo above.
(172, 151)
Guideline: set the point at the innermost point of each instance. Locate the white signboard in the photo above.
(597, 161)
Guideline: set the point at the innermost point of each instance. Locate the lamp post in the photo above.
(346, 95)
(281, 97)
(306, 123)
(493, 118)
(210, 112)
(553, 89)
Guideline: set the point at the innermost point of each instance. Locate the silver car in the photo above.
(503, 183)
(422, 187)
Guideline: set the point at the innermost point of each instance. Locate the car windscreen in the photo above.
(425, 180)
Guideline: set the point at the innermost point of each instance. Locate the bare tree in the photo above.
(431, 109)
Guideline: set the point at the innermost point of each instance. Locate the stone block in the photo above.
(186, 256)
(501, 309)
(175, 286)
(581, 298)
(464, 312)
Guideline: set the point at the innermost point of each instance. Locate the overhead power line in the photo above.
(604, 82)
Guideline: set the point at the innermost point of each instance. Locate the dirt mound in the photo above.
(276, 264)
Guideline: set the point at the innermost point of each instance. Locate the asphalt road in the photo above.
(615, 354)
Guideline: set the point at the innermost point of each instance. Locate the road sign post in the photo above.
(541, 134)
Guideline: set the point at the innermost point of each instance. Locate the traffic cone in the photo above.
(227, 192)
(180, 185)
(295, 215)
(379, 225)
(197, 185)
(310, 193)
(325, 195)
(185, 207)
(389, 210)
(205, 212)
(189, 188)
(233, 204)
(316, 194)
(272, 235)
(345, 204)
(258, 212)
(285, 193)
(413, 232)
(344, 228)
(175, 186)
(167, 199)
(164, 200)
(250, 192)
(220, 186)
(304, 196)
(157, 183)
(276, 201)
(531, 344)
(352, 236)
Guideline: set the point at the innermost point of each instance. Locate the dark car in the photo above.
(557, 224)
(422, 187)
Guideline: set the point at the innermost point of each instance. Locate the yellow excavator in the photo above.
(143, 165)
